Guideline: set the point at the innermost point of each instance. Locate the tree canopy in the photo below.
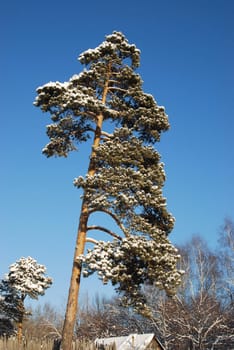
(25, 278)
(106, 101)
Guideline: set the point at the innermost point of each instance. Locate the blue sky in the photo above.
(186, 63)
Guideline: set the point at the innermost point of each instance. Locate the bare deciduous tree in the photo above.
(226, 255)
(196, 318)
(106, 318)
(45, 322)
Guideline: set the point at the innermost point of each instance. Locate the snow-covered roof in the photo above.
(130, 342)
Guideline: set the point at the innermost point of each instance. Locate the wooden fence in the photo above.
(37, 344)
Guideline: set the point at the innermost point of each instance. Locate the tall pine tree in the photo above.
(125, 176)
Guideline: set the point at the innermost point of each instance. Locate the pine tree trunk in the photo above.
(20, 331)
(72, 303)
(21, 311)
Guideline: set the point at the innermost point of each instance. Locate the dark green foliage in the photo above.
(106, 102)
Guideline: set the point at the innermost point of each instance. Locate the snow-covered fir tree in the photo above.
(125, 177)
(26, 278)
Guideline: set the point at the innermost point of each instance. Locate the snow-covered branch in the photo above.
(91, 240)
(112, 88)
(107, 135)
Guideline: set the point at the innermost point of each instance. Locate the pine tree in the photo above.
(25, 278)
(125, 175)
(10, 303)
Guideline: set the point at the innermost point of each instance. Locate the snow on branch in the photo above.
(91, 240)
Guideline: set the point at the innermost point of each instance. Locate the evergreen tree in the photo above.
(25, 278)
(125, 175)
(9, 301)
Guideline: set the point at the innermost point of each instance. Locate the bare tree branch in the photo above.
(100, 228)
(114, 217)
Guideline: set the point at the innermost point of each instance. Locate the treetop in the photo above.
(75, 105)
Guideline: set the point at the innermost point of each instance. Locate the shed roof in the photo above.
(130, 342)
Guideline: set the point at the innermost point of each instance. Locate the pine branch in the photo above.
(100, 228)
(89, 114)
(117, 88)
(114, 217)
(91, 240)
(107, 135)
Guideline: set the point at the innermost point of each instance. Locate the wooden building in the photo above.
(130, 342)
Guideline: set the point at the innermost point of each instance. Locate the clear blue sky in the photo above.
(186, 63)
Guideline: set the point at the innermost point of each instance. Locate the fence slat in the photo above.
(44, 344)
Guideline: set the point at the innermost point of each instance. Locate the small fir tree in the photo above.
(25, 278)
(125, 175)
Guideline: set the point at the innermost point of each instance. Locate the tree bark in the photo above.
(72, 303)
(21, 311)
(20, 331)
